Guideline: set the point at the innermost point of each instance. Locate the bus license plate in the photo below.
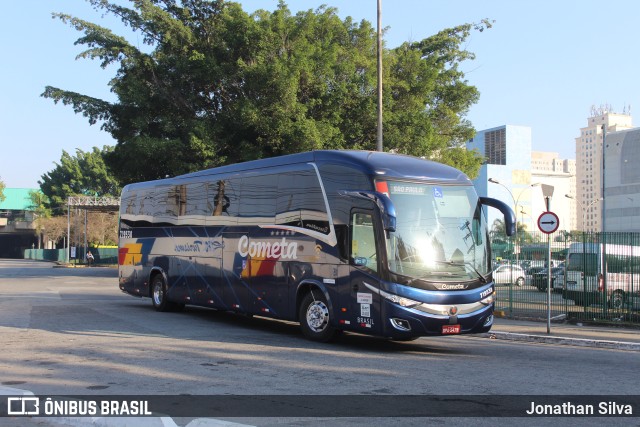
(450, 329)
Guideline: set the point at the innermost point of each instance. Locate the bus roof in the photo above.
(371, 163)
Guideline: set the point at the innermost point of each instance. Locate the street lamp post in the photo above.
(523, 213)
(584, 210)
(516, 201)
(604, 202)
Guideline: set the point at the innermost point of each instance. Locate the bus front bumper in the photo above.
(405, 322)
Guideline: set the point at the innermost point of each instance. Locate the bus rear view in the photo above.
(374, 243)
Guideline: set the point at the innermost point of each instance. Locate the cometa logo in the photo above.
(258, 249)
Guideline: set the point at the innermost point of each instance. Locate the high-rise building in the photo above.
(589, 164)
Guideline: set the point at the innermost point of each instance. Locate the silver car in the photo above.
(508, 275)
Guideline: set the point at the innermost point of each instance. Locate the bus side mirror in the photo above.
(384, 203)
(509, 216)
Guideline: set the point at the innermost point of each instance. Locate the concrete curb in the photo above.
(580, 342)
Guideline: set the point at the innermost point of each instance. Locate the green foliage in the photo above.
(39, 204)
(83, 174)
(2, 187)
(219, 86)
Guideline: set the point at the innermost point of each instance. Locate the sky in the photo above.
(544, 64)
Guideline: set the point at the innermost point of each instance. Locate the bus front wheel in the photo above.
(315, 318)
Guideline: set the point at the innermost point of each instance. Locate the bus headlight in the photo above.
(404, 302)
(488, 300)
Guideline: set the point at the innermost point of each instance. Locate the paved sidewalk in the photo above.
(567, 334)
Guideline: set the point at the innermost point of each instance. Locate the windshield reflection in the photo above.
(441, 234)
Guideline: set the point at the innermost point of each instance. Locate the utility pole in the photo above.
(379, 144)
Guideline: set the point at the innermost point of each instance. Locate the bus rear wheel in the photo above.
(159, 295)
(315, 318)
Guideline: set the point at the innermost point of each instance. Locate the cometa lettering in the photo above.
(258, 249)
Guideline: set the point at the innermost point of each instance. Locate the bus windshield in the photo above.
(441, 234)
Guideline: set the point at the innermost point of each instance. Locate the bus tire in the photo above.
(617, 300)
(315, 318)
(159, 296)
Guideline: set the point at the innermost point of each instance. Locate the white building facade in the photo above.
(507, 150)
(589, 165)
(514, 173)
(548, 168)
(622, 181)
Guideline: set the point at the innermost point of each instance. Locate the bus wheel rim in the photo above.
(318, 316)
(157, 293)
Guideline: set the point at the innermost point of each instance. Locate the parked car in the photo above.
(558, 283)
(533, 270)
(509, 274)
(529, 272)
(539, 279)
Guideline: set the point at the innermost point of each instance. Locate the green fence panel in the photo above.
(101, 256)
(618, 301)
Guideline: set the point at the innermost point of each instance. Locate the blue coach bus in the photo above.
(369, 242)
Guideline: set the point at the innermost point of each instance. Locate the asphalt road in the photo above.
(72, 332)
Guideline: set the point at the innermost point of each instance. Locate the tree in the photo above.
(55, 228)
(220, 86)
(2, 187)
(498, 227)
(39, 206)
(103, 228)
(82, 174)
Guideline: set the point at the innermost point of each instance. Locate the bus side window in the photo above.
(363, 241)
(258, 202)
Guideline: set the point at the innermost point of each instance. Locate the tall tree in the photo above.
(82, 174)
(219, 86)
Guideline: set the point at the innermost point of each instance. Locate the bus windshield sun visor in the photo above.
(509, 216)
(384, 203)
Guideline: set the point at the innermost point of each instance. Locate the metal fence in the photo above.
(529, 301)
(102, 255)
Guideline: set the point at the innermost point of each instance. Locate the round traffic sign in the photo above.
(548, 222)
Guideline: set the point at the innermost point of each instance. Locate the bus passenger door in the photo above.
(207, 287)
(363, 305)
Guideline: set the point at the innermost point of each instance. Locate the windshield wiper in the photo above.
(482, 279)
(465, 264)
